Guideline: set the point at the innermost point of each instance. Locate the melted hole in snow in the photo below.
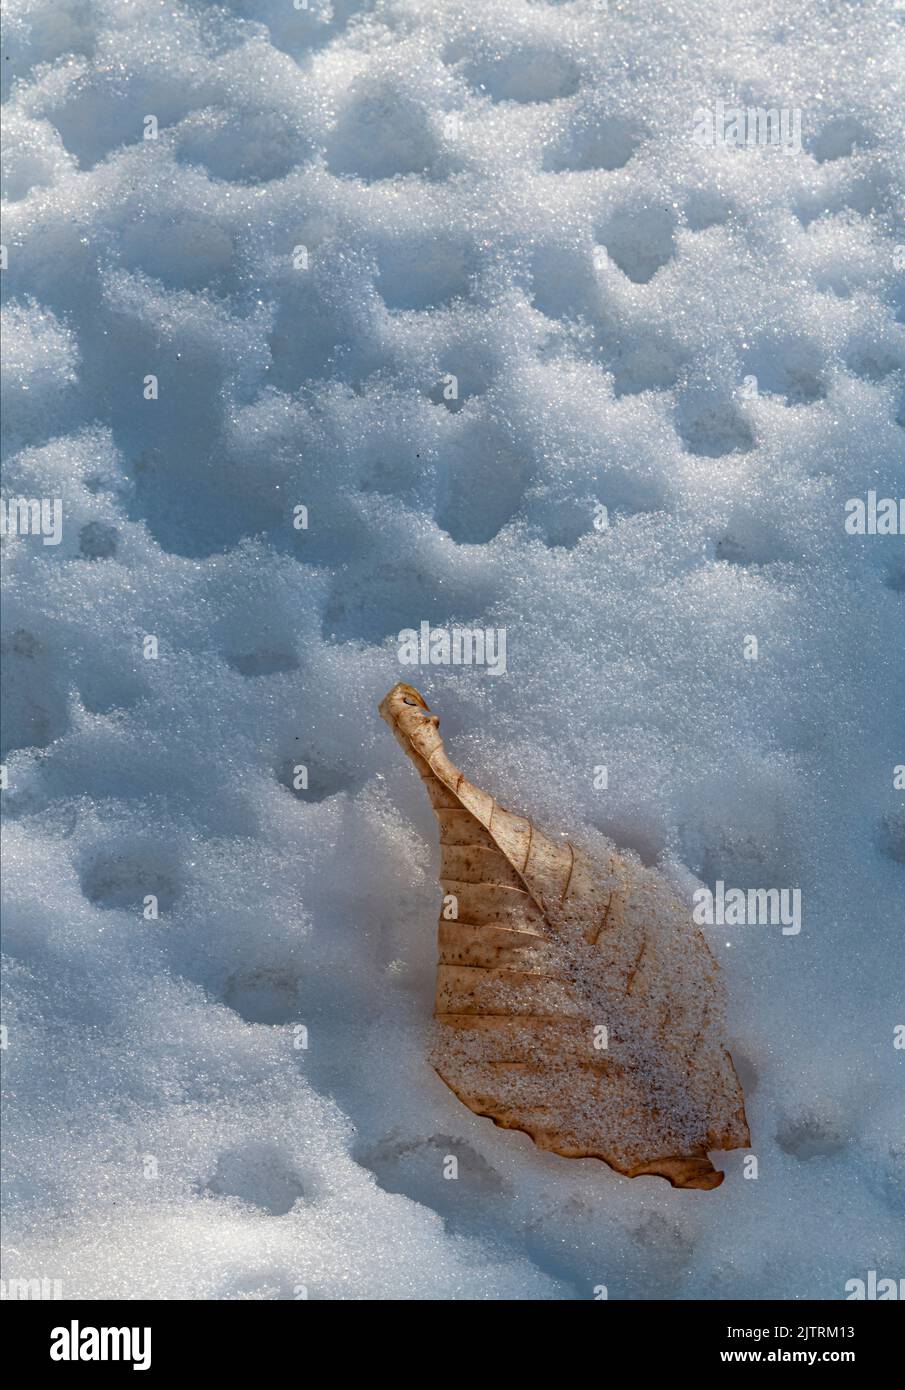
(812, 1134)
(640, 241)
(640, 834)
(416, 1168)
(840, 139)
(263, 996)
(650, 364)
(309, 778)
(707, 207)
(462, 378)
(889, 1180)
(259, 1175)
(423, 276)
(745, 1068)
(894, 575)
(263, 661)
(481, 486)
(793, 369)
(34, 711)
(661, 1237)
(401, 140)
(245, 147)
(713, 429)
(97, 541)
(525, 75)
(607, 144)
(124, 880)
(891, 836)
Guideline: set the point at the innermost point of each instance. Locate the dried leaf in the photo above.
(576, 1000)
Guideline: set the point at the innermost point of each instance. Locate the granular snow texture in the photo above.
(454, 278)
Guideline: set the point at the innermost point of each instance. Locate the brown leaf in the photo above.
(547, 949)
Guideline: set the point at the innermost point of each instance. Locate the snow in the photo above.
(344, 205)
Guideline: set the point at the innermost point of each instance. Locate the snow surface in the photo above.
(602, 286)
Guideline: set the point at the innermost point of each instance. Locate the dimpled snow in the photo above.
(578, 324)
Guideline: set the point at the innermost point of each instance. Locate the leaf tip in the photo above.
(401, 694)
